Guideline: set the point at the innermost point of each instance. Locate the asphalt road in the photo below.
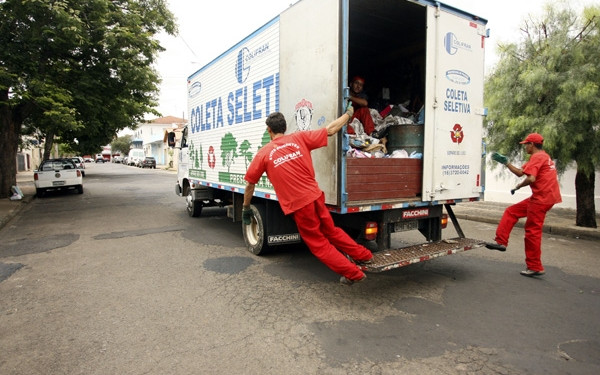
(120, 280)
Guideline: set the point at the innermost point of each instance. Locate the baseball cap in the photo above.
(533, 138)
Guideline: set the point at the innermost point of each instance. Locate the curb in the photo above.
(15, 210)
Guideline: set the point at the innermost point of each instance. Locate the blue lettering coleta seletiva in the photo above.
(247, 103)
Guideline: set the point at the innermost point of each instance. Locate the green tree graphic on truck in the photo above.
(245, 152)
(228, 150)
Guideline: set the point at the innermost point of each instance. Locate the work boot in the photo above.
(531, 273)
(347, 281)
(495, 246)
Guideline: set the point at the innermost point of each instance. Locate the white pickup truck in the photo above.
(57, 174)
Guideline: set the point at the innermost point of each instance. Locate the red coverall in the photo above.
(364, 116)
(546, 193)
(288, 164)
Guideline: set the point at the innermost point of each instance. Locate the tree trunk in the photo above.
(584, 196)
(48, 143)
(9, 143)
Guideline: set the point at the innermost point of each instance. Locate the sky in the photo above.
(209, 28)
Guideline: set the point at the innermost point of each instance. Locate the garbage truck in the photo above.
(423, 66)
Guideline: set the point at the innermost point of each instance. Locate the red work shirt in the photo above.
(545, 188)
(289, 167)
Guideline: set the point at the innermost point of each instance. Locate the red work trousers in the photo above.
(324, 239)
(364, 116)
(536, 214)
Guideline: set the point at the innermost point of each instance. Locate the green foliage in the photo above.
(80, 70)
(245, 152)
(266, 138)
(228, 150)
(549, 84)
(121, 144)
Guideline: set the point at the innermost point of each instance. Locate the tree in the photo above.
(76, 71)
(550, 84)
(245, 152)
(229, 147)
(121, 144)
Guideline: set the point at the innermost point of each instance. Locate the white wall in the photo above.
(499, 180)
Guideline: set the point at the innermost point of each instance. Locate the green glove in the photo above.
(500, 158)
(247, 215)
(350, 109)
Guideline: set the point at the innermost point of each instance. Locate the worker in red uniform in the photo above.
(543, 180)
(288, 164)
(361, 104)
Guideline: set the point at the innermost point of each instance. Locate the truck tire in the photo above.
(79, 189)
(40, 193)
(193, 207)
(255, 233)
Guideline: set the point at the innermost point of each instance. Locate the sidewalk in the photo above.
(559, 221)
(8, 208)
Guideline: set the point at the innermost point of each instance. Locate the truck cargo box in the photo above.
(423, 65)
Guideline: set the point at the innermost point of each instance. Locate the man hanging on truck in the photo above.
(288, 164)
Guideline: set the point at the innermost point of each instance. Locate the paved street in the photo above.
(120, 280)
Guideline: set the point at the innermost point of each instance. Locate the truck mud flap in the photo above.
(390, 259)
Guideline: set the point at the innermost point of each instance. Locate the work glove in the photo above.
(512, 191)
(247, 215)
(499, 158)
(350, 109)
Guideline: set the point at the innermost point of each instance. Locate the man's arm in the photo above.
(528, 181)
(338, 123)
(517, 171)
(248, 193)
(360, 102)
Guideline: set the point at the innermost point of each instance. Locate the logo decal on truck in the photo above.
(452, 44)
(303, 115)
(413, 214)
(244, 60)
(212, 160)
(456, 134)
(194, 89)
(284, 238)
(458, 77)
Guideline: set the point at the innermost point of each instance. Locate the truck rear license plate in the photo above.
(58, 183)
(404, 226)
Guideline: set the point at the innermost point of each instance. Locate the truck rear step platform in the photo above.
(389, 259)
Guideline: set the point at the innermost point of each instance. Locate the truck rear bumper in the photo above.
(390, 259)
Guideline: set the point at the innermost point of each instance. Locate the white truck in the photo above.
(424, 54)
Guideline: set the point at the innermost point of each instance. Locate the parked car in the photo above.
(88, 159)
(117, 159)
(100, 160)
(79, 163)
(148, 162)
(57, 174)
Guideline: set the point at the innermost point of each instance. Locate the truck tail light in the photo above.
(371, 231)
(444, 221)
(35, 176)
(78, 173)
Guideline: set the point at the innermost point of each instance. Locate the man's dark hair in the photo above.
(539, 146)
(276, 122)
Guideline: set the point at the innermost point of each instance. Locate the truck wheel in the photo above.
(255, 233)
(193, 207)
(79, 189)
(40, 192)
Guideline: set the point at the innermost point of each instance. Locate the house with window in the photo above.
(151, 137)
